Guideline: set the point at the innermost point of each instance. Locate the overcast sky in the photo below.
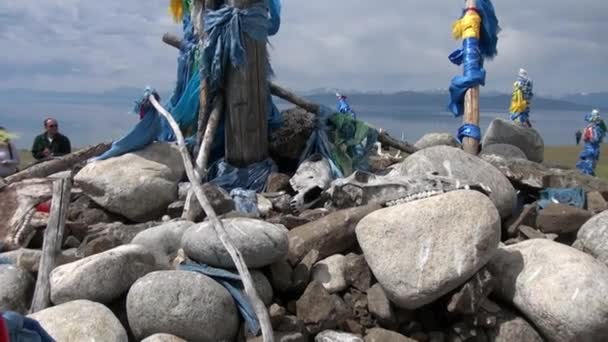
(88, 45)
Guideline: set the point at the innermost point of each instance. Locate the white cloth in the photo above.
(8, 165)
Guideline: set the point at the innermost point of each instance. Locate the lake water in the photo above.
(90, 124)
(556, 127)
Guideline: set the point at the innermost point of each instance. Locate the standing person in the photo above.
(593, 135)
(51, 143)
(9, 156)
(578, 136)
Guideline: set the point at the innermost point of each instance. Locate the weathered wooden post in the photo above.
(478, 28)
(51, 246)
(471, 107)
(246, 102)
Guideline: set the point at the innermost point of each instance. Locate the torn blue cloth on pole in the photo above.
(318, 142)
(183, 105)
(344, 107)
(588, 158)
(24, 329)
(274, 8)
(593, 136)
(225, 29)
(234, 285)
(224, 46)
(488, 40)
(469, 131)
(344, 141)
(523, 117)
(252, 177)
(574, 197)
(473, 75)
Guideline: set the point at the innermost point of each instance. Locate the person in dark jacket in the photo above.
(51, 143)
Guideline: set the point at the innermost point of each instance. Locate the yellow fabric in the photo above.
(518, 103)
(176, 9)
(6, 136)
(469, 26)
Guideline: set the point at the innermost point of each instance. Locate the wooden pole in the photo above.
(218, 226)
(471, 109)
(51, 246)
(246, 102)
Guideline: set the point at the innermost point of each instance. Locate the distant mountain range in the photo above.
(93, 117)
(592, 100)
(124, 97)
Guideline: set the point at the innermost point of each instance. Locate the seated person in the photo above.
(51, 143)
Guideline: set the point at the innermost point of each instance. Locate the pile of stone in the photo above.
(441, 246)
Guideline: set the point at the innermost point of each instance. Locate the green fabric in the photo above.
(352, 141)
(59, 147)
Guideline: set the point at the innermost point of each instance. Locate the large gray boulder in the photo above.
(453, 162)
(422, 250)
(164, 240)
(102, 277)
(503, 150)
(81, 320)
(260, 243)
(593, 237)
(528, 140)
(436, 139)
(16, 289)
(185, 304)
(138, 185)
(559, 289)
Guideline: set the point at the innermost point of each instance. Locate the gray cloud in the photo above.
(380, 45)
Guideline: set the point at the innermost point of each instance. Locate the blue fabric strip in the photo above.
(470, 131)
(474, 74)
(233, 284)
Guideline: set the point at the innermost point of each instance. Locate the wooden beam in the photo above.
(51, 246)
(246, 102)
(203, 156)
(172, 40)
(311, 107)
(218, 226)
(471, 109)
(64, 163)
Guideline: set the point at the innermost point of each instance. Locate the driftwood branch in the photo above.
(237, 258)
(51, 247)
(66, 162)
(314, 108)
(203, 155)
(289, 96)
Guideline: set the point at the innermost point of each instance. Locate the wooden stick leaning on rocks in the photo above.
(66, 162)
(237, 258)
(202, 159)
(315, 108)
(51, 246)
